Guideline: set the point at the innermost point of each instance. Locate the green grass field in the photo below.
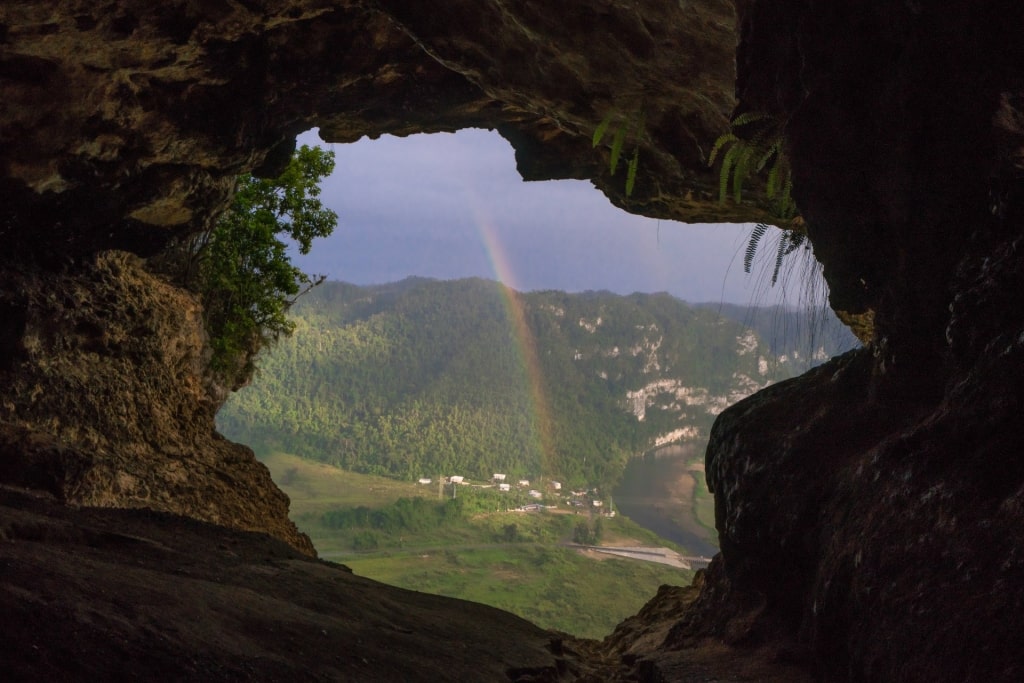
(315, 487)
(534, 575)
(552, 586)
(704, 504)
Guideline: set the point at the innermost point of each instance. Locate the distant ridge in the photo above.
(425, 377)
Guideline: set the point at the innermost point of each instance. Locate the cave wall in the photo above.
(140, 116)
(869, 511)
(107, 401)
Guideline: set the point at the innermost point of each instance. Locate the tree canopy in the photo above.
(244, 273)
(424, 378)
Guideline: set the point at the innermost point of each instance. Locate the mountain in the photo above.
(421, 378)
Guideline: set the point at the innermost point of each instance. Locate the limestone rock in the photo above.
(125, 124)
(108, 401)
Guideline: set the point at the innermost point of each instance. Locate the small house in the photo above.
(557, 485)
(524, 482)
(503, 487)
(424, 480)
(598, 503)
(534, 494)
(456, 479)
(498, 477)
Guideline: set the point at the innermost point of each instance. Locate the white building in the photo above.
(503, 487)
(524, 482)
(498, 477)
(557, 485)
(534, 494)
(456, 479)
(424, 480)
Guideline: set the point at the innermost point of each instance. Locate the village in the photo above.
(549, 499)
(554, 499)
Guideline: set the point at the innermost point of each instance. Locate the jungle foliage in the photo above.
(424, 378)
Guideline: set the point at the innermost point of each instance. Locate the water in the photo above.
(656, 492)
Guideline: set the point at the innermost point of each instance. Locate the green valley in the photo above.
(519, 561)
(427, 378)
(397, 414)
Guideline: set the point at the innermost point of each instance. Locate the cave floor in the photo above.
(96, 594)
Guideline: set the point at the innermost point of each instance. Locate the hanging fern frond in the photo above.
(750, 117)
(722, 140)
(759, 151)
(634, 164)
(602, 128)
(796, 240)
(780, 254)
(772, 186)
(617, 142)
(755, 236)
(728, 163)
(632, 127)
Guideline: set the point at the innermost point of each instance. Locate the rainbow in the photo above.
(525, 343)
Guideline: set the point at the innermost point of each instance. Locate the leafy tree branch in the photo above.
(241, 266)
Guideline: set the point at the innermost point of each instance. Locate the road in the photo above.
(650, 554)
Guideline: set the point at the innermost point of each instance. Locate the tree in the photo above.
(244, 275)
(582, 534)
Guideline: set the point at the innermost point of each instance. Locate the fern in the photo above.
(602, 128)
(634, 127)
(722, 140)
(617, 142)
(755, 236)
(761, 152)
(790, 241)
(750, 117)
(780, 254)
(727, 165)
(634, 164)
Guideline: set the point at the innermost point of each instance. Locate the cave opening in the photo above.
(450, 207)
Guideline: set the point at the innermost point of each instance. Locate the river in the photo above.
(657, 492)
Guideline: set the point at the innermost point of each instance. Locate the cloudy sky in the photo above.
(452, 205)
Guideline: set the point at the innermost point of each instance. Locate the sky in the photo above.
(452, 205)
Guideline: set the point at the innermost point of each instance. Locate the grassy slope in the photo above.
(704, 501)
(535, 577)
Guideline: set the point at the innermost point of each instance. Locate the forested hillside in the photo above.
(424, 378)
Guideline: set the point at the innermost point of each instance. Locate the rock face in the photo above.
(132, 594)
(872, 508)
(869, 512)
(107, 402)
(141, 116)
